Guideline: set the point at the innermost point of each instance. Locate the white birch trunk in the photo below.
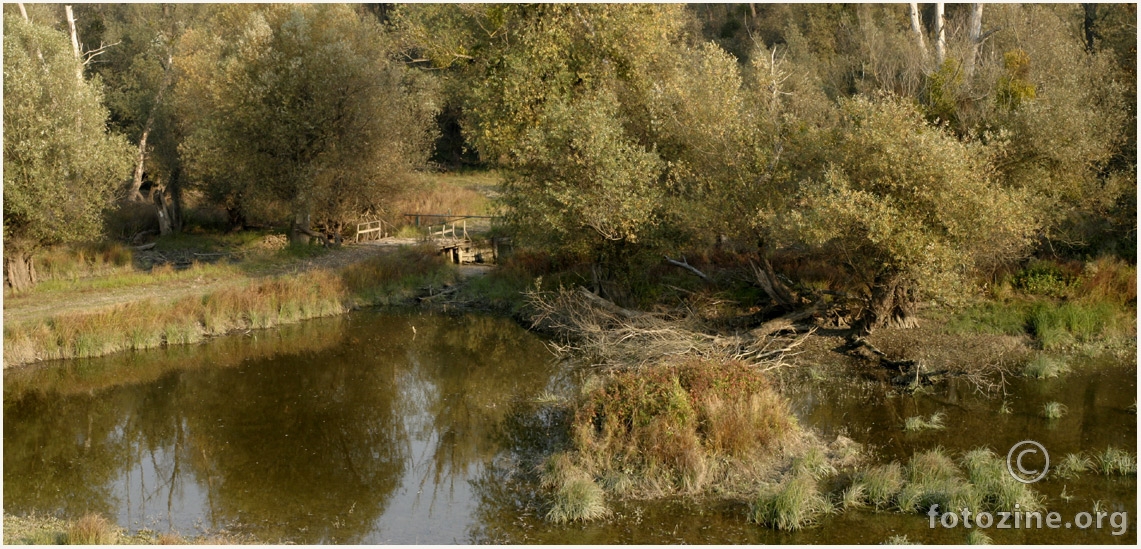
(917, 27)
(940, 38)
(74, 43)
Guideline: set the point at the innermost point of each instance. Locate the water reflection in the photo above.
(361, 429)
(407, 428)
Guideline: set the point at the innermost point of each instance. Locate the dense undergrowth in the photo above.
(694, 427)
(1064, 306)
(254, 304)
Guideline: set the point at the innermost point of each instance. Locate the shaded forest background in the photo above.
(915, 151)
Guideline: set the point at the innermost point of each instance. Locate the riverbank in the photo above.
(94, 529)
(167, 307)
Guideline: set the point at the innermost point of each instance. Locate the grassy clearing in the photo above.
(1064, 307)
(260, 303)
(918, 423)
(1044, 366)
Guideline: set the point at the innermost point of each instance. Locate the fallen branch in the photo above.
(787, 321)
(685, 265)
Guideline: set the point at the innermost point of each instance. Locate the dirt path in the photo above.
(43, 305)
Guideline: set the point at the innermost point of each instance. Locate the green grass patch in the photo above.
(795, 505)
(919, 423)
(1053, 410)
(1115, 461)
(1072, 465)
(998, 318)
(1044, 366)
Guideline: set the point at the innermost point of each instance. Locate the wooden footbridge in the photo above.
(452, 237)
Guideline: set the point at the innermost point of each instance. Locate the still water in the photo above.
(413, 428)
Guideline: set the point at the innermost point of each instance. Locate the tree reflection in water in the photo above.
(304, 436)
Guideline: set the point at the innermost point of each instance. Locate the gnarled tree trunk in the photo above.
(891, 305)
(19, 271)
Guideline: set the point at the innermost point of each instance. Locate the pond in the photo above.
(382, 427)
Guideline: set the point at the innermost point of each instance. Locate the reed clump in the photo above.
(919, 423)
(1045, 366)
(793, 506)
(692, 427)
(91, 529)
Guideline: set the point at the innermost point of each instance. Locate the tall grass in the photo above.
(92, 530)
(919, 423)
(1061, 304)
(258, 303)
(670, 427)
(1115, 461)
(793, 506)
(1053, 410)
(1044, 366)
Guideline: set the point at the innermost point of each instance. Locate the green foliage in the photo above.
(61, 167)
(1044, 278)
(903, 199)
(300, 109)
(943, 90)
(1014, 86)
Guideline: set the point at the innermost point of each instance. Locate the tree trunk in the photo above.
(164, 222)
(976, 33)
(1088, 25)
(137, 182)
(940, 35)
(174, 186)
(74, 43)
(917, 27)
(133, 194)
(19, 270)
(891, 305)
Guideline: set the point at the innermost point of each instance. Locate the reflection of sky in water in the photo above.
(386, 431)
(349, 430)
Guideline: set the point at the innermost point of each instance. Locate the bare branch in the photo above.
(685, 265)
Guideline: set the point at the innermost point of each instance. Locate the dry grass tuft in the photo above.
(92, 530)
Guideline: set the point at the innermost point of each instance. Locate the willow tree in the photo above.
(908, 209)
(300, 111)
(61, 166)
(612, 123)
